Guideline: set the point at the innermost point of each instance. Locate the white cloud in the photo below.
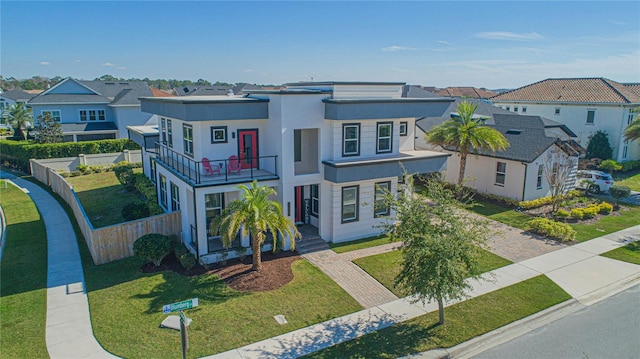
(121, 68)
(108, 64)
(397, 48)
(45, 63)
(443, 42)
(506, 35)
(247, 70)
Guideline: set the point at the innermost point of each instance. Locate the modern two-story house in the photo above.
(585, 105)
(328, 148)
(94, 110)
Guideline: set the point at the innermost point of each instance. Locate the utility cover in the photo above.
(280, 319)
(173, 322)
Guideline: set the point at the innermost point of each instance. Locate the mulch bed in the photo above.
(276, 271)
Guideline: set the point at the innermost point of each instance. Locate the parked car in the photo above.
(594, 181)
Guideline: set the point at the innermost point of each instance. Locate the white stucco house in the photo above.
(94, 110)
(536, 144)
(325, 147)
(585, 105)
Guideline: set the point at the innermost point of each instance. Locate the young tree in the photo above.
(255, 214)
(440, 243)
(619, 192)
(599, 146)
(632, 132)
(557, 168)
(48, 130)
(18, 116)
(610, 165)
(466, 134)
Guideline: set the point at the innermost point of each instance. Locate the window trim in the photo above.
(175, 197)
(387, 211)
(503, 173)
(188, 150)
(539, 177)
(378, 126)
(55, 118)
(406, 128)
(163, 191)
(169, 133)
(218, 128)
(591, 113)
(163, 130)
(152, 169)
(221, 208)
(86, 115)
(315, 199)
(344, 140)
(356, 204)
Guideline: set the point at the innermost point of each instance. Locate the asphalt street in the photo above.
(608, 329)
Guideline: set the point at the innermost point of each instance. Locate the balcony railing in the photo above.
(220, 171)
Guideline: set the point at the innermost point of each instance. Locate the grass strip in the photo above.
(23, 271)
(360, 244)
(464, 321)
(386, 266)
(629, 253)
(628, 217)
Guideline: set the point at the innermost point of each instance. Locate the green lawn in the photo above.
(464, 321)
(630, 179)
(23, 271)
(102, 197)
(386, 266)
(360, 244)
(629, 253)
(502, 214)
(629, 217)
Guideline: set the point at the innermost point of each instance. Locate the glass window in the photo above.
(557, 111)
(83, 115)
(351, 140)
(163, 130)
(187, 137)
(515, 108)
(539, 178)
(403, 128)
(501, 172)
(591, 114)
(214, 203)
(101, 115)
(381, 208)
(163, 191)
(350, 203)
(219, 134)
(383, 140)
(169, 134)
(152, 167)
(315, 199)
(55, 114)
(93, 115)
(625, 149)
(297, 145)
(524, 109)
(175, 198)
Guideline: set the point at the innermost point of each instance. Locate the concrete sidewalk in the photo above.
(68, 328)
(579, 270)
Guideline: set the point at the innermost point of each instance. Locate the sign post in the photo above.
(179, 307)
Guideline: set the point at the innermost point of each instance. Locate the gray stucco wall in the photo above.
(361, 110)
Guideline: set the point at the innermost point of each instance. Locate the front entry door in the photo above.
(299, 204)
(248, 148)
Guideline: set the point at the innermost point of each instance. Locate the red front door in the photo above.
(298, 200)
(248, 148)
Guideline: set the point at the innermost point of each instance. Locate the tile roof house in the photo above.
(516, 172)
(585, 105)
(94, 110)
(466, 92)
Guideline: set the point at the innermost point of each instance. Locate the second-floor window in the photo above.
(351, 140)
(175, 198)
(501, 173)
(591, 116)
(169, 134)
(187, 135)
(384, 137)
(92, 115)
(55, 114)
(163, 191)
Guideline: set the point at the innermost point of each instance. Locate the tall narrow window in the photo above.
(350, 203)
(625, 149)
(175, 197)
(101, 115)
(163, 130)
(380, 207)
(187, 138)
(591, 115)
(297, 145)
(213, 203)
(315, 199)
(351, 140)
(539, 178)
(83, 115)
(630, 118)
(403, 128)
(163, 191)
(93, 115)
(152, 167)
(169, 134)
(501, 173)
(383, 138)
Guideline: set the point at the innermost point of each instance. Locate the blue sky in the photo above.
(454, 43)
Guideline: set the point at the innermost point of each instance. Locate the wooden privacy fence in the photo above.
(110, 243)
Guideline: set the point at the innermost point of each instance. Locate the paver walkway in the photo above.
(68, 328)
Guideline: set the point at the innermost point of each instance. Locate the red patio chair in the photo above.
(208, 169)
(233, 165)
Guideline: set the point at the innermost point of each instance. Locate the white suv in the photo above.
(596, 181)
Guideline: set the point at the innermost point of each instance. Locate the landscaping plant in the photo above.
(619, 192)
(553, 229)
(152, 247)
(135, 210)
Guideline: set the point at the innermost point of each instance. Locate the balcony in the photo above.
(219, 171)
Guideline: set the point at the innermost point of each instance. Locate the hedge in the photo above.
(18, 153)
(553, 229)
(629, 165)
(536, 203)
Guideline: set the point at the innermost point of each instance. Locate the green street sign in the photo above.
(185, 304)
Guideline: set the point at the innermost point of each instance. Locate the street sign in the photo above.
(185, 304)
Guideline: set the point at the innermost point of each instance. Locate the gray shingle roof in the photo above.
(114, 93)
(414, 91)
(89, 126)
(17, 95)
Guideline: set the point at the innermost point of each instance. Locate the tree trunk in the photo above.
(463, 166)
(440, 311)
(257, 260)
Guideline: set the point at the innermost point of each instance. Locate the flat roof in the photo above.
(386, 100)
(149, 130)
(204, 99)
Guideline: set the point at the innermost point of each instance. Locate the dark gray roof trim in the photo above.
(393, 167)
(188, 109)
(88, 127)
(362, 109)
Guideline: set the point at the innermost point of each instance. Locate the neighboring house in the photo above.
(324, 146)
(517, 172)
(585, 105)
(466, 92)
(10, 97)
(94, 110)
(214, 90)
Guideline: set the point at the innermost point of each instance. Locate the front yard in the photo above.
(630, 179)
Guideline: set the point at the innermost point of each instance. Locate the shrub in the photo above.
(82, 168)
(545, 201)
(96, 168)
(629, 165)
(619, 192)
(187, 259)
(553, 229)
(577, 213)
(590, 212)
(146, 188)
(598, 146)
(610, 166)
(153, 247)
(135, 210)
(561, 213)
(124, 174)
(605, 208)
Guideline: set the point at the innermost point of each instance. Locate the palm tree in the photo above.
(466, 134)
(255, 214)
(18, 116)
(632, 132)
